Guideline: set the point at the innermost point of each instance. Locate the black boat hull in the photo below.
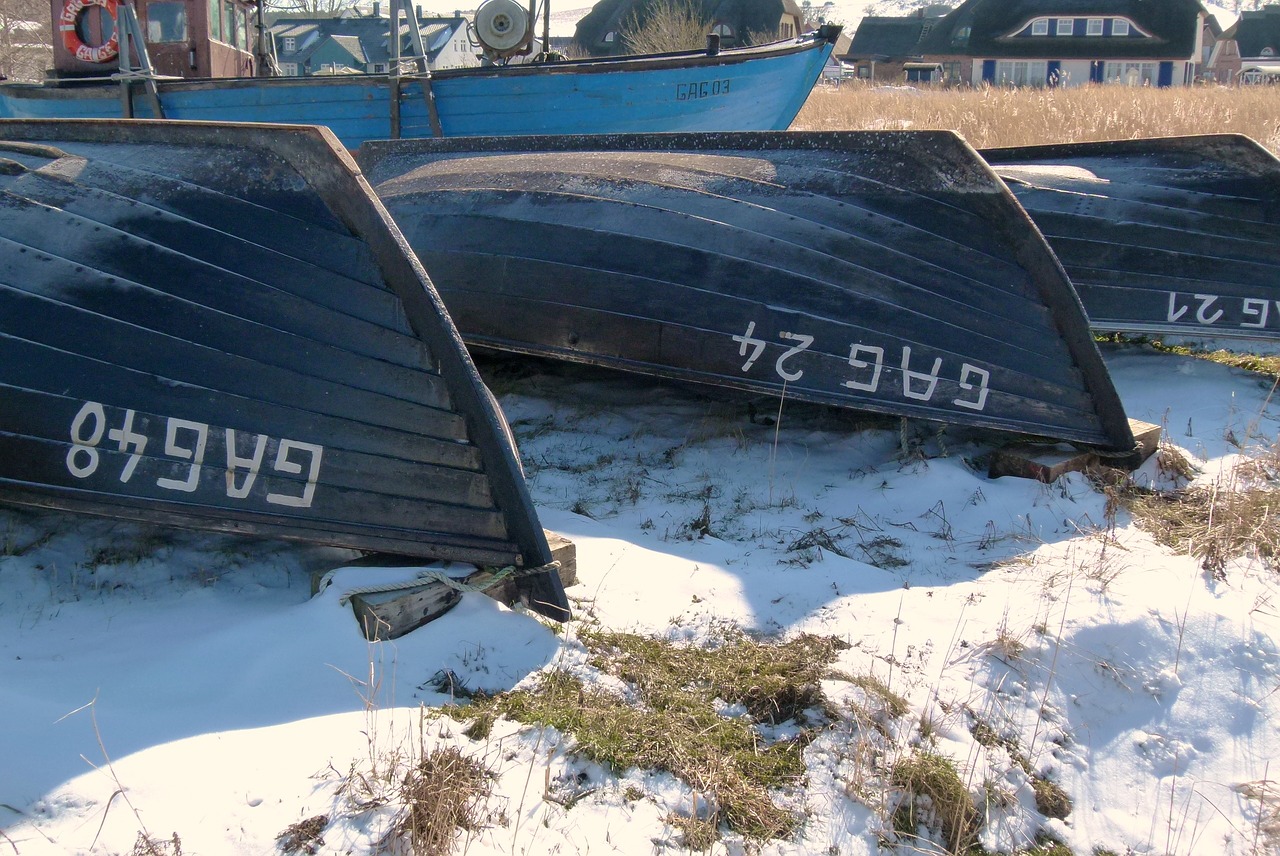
(889, 272)
(1177, 235)
(220, 327)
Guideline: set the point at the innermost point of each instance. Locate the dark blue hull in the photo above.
(889, 272)
(1177, 235)
(220, 327)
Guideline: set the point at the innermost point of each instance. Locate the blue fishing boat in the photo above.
(748, 88)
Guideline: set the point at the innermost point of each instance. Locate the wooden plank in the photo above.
(392, 614)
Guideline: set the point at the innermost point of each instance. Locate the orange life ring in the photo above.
(70, 17)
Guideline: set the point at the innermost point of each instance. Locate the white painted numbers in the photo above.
(1212, 309)
(918, 378)
(192, 446)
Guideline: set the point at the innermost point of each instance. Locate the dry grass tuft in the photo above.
(681, 721)
(1214, 524)
(989, 117)
(146, 845)
(305, 836)
(445, 791)
(934, 801)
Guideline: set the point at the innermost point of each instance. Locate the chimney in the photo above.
(377, 9)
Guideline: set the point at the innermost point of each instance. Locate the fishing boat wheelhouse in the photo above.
(183, 38)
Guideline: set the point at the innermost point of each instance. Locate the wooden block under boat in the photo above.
(392, 614)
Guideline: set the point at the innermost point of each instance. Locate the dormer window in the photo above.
(1066, 26)
(1119, 28)
(1040, 27)
(1268, 51)
(1094, 27)
(290, 44)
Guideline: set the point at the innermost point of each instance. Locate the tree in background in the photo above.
(665, 25)
(26, 39)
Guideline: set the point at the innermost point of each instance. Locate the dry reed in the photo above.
(989, 117)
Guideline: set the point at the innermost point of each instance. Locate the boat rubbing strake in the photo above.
(891, 272)
(220, 327)
(1172, 235)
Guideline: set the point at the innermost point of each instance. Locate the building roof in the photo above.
(985, 28)
(366, 37)
(747, 17)
(1257, 31)
(887, 37)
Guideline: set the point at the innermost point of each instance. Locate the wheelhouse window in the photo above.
(1094, 27)
(1119, 27)
(215, 19)
(786, 30)
(167, 21)
(228, 21)
(1066, 26)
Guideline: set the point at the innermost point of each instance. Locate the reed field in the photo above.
(1012, 117)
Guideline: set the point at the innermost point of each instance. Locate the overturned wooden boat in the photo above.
(889, 272)
(220, 327)
(1174, 235)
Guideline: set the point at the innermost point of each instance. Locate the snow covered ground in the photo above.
(173, 683)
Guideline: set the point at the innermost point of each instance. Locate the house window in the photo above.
(1040, 27)
(1094, 27)
(610, 37)
(1022, 72)
(290, 44)
(288, 69)
(167, 21)
(1131, 73)
(1268, 51)
(1119, 28)
(1066, 26)
(724, 31)
(379, 68)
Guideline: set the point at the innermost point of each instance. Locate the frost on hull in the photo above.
(1174, 235)
(890, 272)
(219, 327)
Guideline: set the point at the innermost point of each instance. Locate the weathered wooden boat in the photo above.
(750, 88)
(889, 272)
(220, 327)
(1175, 235)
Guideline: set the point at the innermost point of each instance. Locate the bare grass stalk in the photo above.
(998, 116)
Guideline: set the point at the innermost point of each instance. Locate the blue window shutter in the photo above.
(989, 70)
(1055, 72)
(1166, 74)
(1095, 71)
